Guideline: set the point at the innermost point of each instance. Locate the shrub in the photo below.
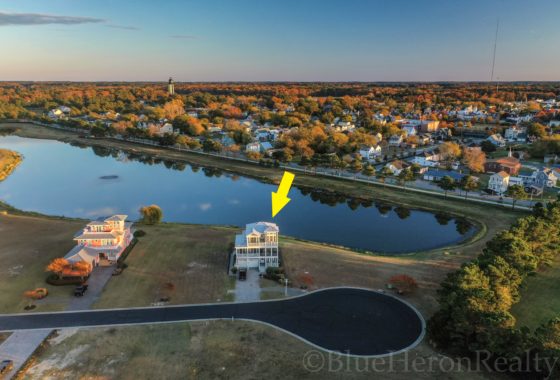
(403, 283)
(151, 214)
(53, 279)
(274, 274)
(139, 233)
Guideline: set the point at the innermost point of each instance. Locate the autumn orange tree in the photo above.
(57, 266)
(475, 159)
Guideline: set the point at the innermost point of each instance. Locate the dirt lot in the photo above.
(218, 350)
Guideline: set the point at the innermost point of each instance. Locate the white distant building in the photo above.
(101, 242)
(430, 159)
(257, 247)
(497, 140)
(499, 183)
(515, 134)
(395, 140)
(369, 152)
(410, 130)
(59, 113)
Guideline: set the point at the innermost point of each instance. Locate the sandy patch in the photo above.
(62, 335)
(57, 363)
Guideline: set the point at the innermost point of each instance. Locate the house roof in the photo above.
(116, 218)
(502, 174)
(261, 227)
(398, 164)
(442, 173)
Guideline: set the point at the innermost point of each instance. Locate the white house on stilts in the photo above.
(257, 247)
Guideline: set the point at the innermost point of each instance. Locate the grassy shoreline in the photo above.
(9, 160)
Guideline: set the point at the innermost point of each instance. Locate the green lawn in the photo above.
(540, 299)
(183, 262)
(27, 245)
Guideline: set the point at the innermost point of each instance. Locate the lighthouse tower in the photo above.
(171, 87)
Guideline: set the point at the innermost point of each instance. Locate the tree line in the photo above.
(476, 300)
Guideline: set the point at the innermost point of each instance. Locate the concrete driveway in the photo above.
(250, 289)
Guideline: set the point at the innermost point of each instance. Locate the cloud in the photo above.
(103, 211)
(205, 206)
(184, 36)
(125, 27)
(43, 19)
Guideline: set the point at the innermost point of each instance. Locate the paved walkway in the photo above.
(22, 344)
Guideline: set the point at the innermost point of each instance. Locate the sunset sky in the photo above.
(304, 40)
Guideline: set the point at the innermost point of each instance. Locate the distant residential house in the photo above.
(551, 158)
(157, 127)
(435, 175)
(166, 128)
(515, 134)
(510, 165)
(429, 126)
(397, 166)
(343, 126)
(554, 123)
(409, 130)
(257, 247)
(395, 140)
(214, 128)
(55, 113)
(102, 242)
(258, 147)
(369, 152)
(545, 177)
(430, 159)
(111, 115)
(498, 183)
(497, 140)
(59, 112)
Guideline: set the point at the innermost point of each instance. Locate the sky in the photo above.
(272, 40)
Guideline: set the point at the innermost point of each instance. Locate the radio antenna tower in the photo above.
(494, 54)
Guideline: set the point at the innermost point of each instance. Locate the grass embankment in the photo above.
(539, 297)
(9, 160)
(185, 263)
(27, 245)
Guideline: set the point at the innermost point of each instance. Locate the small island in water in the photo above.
(113, 176)
(9, 160)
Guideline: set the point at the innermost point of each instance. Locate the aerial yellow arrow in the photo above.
(280, 197)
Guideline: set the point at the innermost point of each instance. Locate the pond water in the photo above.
(61, 179)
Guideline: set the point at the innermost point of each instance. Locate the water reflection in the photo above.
(211, 196)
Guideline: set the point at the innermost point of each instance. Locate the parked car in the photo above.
(6, 366)
(242, 274)
(80, 290)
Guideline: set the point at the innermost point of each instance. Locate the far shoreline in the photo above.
(476, 214)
